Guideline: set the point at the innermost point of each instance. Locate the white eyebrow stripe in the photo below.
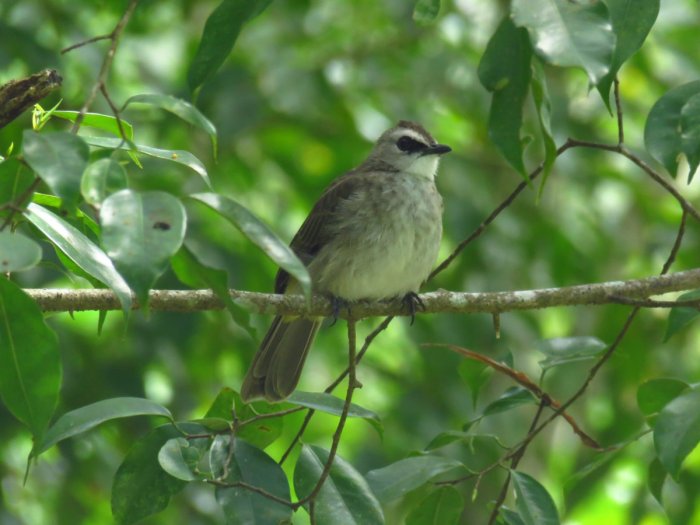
(405, 132)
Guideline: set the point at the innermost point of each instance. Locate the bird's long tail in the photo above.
(277, 365)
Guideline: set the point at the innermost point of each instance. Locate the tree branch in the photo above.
(613, 292)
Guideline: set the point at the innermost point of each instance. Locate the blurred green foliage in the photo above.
(308, 86)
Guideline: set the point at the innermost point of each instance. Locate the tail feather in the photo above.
(277, 365)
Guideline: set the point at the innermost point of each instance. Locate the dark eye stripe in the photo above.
(409, 145)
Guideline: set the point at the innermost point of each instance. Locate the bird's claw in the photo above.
(337, 304)
(413, 303)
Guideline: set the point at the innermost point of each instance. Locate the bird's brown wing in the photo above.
(312, 235)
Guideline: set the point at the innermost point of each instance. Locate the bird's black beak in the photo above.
(436, 149)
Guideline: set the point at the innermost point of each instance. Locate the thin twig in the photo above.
(618, 111)
(252, 488)
(116, 112)
(86, 42)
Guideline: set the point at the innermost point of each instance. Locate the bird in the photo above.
(374, 234)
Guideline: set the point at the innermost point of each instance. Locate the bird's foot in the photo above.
(413, 303)
(338, 304)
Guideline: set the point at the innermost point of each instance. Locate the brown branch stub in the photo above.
(16, 96)
(57, 300)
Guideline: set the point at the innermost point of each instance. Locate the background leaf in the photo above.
(334, 405)
(442, 506)
(102, 178)
(681, 316)
(677, 431)
(17, 252)
(534, 504)
(426, 11)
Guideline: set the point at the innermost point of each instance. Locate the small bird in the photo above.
(374, 234)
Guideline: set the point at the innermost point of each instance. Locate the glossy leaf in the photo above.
(260, 433)
(654, 394)
(569, 34)
(242, 506)
(99, 121)
(690, 133)
(443, 506)
(334, 405)
(505, 70)
(178, 457)
(396, 480)
(88, 417)
(192, 272)
(101, 179)
(664, 132)
(181, 108)
(141, 487)
(426, 11)
(535, 505)
(255, 230)
(220, 33)
(564, 350)
(510, 517)
(30, 363)
(681, 316)
(80, 250)
(345, 497)
(59, 158)
(677, 431)
(180, 156)
(17, 252)
(511, 398)
(631, 22)
(140, 232)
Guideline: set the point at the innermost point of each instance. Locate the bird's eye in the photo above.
(409, 145)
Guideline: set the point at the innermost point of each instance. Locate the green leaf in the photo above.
(255, 230)
(101, 179)
(99, 121)
(333, 405)
(664, 132)
(15, 179)
(30, 363)
(80, 250)
(88, 417)
(141, 487)
(569, 34)
(513, 397)
(426, 11)
(252, 466)
(540, 95)
(677, 431)
(192, 272)
(656, 477)
(178, 457)
(565, 350)
(631, 22)
(510, 517)
(260, 433)
(443, 506)
(654, 394)
(446, 438)
(475, 374)
(17, 252)
(396, 480)
(690, 133)
(140, 232)
(534, 504)
(59, 158)
(345, 497)
(180, 156)
(220, 33)
(505, 70)
(180, 108)
(681, 316)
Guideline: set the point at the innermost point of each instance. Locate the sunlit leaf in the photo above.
(565, 350)
(664, 132)
(333, 405)
(677, 431)
(140, 232)
(255, 230)
(88, 417)
(178, 457)
(344, 499)
(505, 70)
(17, 252)
(535, 505)
(396, 480)
(220, 33)
(101, 179)
(180, 156)
(569, 34)
(59, 158)
(99, 121)
(30, 362)
(80, 250)
(179, 107)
